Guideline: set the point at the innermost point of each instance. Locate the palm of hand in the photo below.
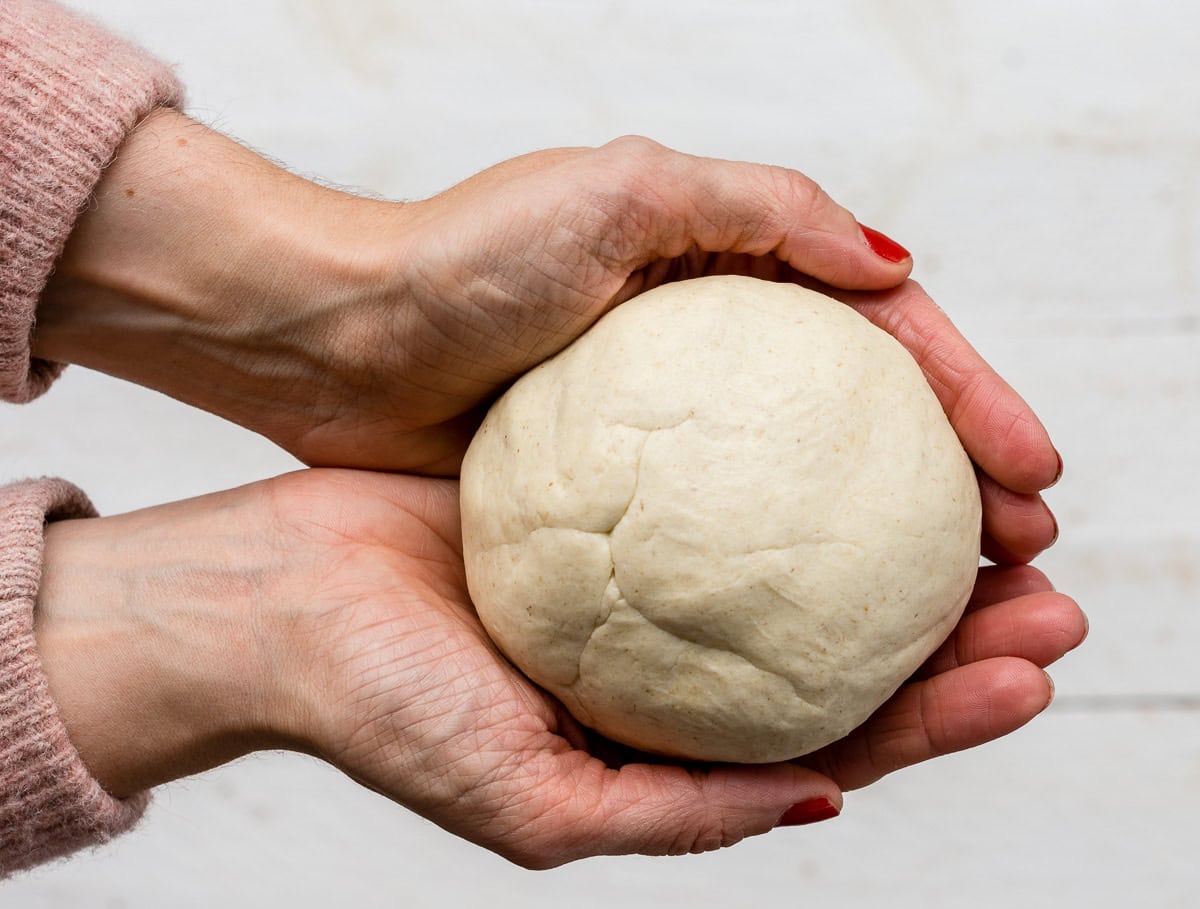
(424, 709)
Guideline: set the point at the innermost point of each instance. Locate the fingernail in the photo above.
(883, 246)
(808, 813)
(1050, 682)
(1058, 473)
(1053, 539)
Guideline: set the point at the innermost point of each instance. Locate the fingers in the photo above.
(577, 807)
(998, 429)
(949, 712)
(1016, 527)
(1038, 627)
(994, 584)
(665, 203)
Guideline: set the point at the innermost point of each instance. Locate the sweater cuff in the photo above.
(70, 93)
(50, 804)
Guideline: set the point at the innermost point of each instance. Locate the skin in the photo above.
(326, 611)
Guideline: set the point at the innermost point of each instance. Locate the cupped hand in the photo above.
(408, 696)
(506, 269)
(327, 611)
(500, 272)
(418, 704)
(425, 710)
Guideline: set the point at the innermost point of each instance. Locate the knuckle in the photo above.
(708, 836)
(634, 164)
(797, 191)
(1031, 578)
(635, 148)
(795, 198)
(619, 198)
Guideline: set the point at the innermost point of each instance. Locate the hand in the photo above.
(327, 611)
(358, 333)
(509, 267)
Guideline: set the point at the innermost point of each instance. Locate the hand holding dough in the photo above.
(725, 524)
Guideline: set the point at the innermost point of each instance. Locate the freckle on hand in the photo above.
(130, 193)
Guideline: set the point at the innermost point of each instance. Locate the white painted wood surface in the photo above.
(1041, 160)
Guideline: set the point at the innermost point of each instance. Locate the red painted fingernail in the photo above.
(883, 246)
(808, 813)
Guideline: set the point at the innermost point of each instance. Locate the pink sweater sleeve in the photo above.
(49, 804)
(70, 92)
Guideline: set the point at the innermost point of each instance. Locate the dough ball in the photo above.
(725, 524)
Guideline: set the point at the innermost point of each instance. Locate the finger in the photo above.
(1038, 627)
(1016, 527)
(578, 807)
(998, 429)
(950, 712)
(665, 203)
(996, 583)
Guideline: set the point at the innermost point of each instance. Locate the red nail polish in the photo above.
(808, 813)
(883, 246)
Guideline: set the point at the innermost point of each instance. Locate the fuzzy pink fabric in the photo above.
(69, 94)
(49, 804)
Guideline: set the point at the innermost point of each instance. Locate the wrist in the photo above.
(206, 272)
(151, 634)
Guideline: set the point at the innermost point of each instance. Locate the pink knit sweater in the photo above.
(69, 93)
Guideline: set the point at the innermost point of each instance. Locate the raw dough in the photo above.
(725, 524)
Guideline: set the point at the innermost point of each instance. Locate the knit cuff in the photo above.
(69, 94)
(50, 804)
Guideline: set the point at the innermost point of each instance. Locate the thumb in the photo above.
(671, 203)
(583, 808)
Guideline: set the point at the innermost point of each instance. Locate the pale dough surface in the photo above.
(725, 524)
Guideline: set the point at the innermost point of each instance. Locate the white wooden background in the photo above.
(1042, 161)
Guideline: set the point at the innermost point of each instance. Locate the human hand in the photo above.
(536, 248)
(327, 611)
(364, 334)
(463, 738)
